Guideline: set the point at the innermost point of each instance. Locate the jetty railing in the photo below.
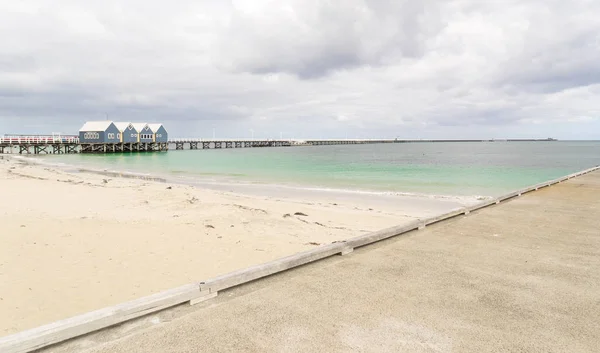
(38, 139)
(59, 331)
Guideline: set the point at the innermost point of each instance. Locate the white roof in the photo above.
(139, 126)
(122, 125)
(154, 127)
(96, 125)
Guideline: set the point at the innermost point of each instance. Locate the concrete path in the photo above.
(519, 277)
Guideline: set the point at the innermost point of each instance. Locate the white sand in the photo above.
(72, 243)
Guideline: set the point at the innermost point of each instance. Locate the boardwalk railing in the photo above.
(186, 140)
(63, 330)
(287, 141)
(18, 140)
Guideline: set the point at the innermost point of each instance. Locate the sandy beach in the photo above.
(75, 242)
(517, 277)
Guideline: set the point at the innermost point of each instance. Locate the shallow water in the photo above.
(480, 168)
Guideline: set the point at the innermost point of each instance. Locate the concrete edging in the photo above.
(66, 329)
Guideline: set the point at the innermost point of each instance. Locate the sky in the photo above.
(304, 68)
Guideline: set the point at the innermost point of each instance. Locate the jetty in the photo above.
(39, 144)
(58, 144)
(518, 272)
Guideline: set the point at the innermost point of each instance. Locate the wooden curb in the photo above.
(63, 330)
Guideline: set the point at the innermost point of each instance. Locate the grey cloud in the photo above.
(320, 37)
(303, 67)
(557, 66)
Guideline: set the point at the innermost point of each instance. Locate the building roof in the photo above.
(139, 126)
(154, 127)
(122, 125)
(96, 125)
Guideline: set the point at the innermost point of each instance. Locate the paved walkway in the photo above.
(519, 277)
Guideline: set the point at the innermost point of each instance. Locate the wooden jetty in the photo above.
(38, 144)
(195, 144)
(72, 144)
(42, 144)
(56, 144)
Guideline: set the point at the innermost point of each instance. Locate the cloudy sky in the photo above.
(304, 68)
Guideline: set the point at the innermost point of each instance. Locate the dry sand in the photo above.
(72, 243)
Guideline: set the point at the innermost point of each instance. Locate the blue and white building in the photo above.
(128, 132)
(99, 132)
(144, 132)
(159, 132)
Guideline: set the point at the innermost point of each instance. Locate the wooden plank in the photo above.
(379, 235)
(236, 278)
(483, 204)
(445, 216)
(63, 330)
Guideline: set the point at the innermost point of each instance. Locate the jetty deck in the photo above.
(521, 276)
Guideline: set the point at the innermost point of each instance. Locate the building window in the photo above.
(111, 135)
(91, 135)
(133, 135)
(119, 136)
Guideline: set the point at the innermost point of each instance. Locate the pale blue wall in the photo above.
(146, 131)
(100, 136)
(130, 136)
(162, 135)
(112, 131)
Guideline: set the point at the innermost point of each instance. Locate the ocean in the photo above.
(455, 168)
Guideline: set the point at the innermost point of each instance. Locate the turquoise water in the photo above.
(485, 168)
